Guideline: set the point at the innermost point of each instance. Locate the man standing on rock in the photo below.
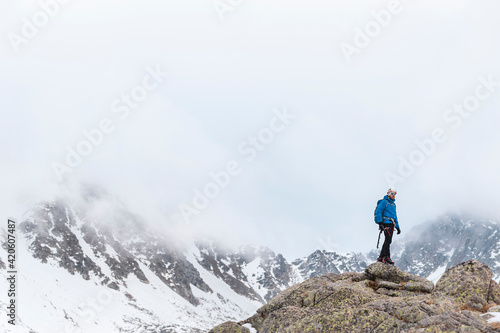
(387, 220)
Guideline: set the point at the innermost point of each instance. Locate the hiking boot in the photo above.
(380, 259)
(388, 260)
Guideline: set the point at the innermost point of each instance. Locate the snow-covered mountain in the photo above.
(433, 247)
(81, 273)
(322, 262)
(77, 276)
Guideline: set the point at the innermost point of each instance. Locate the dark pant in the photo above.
(386, 248)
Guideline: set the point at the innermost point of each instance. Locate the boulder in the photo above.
(229, 327)
(392, 278)
(469, 283)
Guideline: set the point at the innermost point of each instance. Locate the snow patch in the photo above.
(436, 275)
(250, 328)
(494, 319)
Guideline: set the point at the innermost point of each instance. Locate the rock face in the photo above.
(448, 241)
(273, 273)
(382, 299)
(322, 262)
(260, 274)
(56, 233)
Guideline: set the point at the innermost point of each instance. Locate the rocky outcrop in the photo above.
(229, 327)
(391, 278)
(382, 299)
(470, 284)
(52, 238)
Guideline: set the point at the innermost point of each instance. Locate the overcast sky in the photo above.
(313, 109)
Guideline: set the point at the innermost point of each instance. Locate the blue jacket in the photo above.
(386, 208)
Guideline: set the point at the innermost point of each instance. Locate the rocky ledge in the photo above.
(382, 299)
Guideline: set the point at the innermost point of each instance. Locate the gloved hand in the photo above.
(399, 230)
(380, 226)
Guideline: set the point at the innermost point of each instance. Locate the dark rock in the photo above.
(113, 285)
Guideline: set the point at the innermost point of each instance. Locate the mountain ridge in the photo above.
(203, 283)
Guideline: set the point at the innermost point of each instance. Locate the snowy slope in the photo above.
(79, 275)
(71, 282)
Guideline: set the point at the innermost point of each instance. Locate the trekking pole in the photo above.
(380, 233)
